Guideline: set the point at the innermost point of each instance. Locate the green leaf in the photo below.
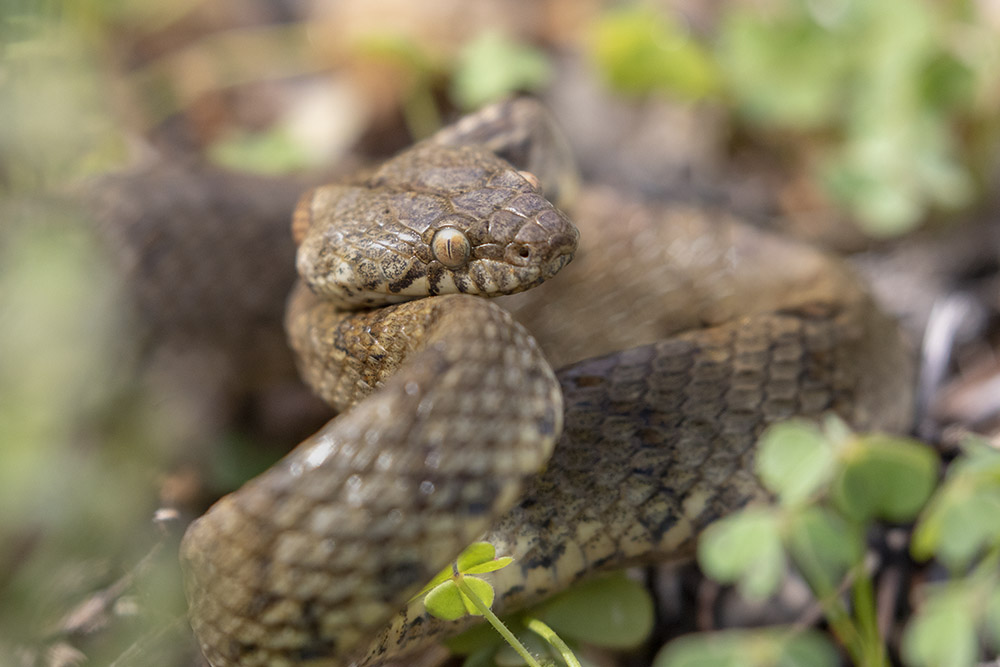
(959, 523)
(640, 50)
(481, 637)
(490, 566)
(702, 650)
(884, 477)
(823, 546)
(477, 558)
(794, 460)
(963, 517)
(992, 621)
(445, 602)
(943, 632)
(480, 557)
(492, 67)
(444, 575)
(748, 648)
(947, 83)
(483, 590)
(979, 458)
(448, 603)
(475, 554)
(613, 611)
(482, 657)
(808, 648)
(745, 548)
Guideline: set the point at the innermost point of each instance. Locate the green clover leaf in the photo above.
(447, 602)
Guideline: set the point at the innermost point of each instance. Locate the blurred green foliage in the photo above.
(80, 443)
(960, 527)
(895, 96)
(55, 120)
(489, 67)
(830, 485)
(883, 477)
(945, 633)
(640, 49)
(420, 71)
(611, 611)
(492, 66)
(273, 151)
(963, 519)
(736, 648)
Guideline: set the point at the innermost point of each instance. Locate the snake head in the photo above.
(433, 220)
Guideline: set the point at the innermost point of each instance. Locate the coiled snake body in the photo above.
(449, 409)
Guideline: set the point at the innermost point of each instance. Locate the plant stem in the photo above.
(864, 610)
(495, 621)
(829, 599)
(551, 637)
(842, 627)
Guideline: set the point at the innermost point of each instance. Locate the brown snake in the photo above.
(449, 409)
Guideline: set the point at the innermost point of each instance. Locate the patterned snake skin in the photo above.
(449, 409)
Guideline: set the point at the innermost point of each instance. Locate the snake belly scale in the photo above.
(449, 410)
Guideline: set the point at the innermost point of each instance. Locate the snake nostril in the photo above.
(519, 254)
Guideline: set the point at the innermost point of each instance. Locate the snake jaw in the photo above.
(558, 263)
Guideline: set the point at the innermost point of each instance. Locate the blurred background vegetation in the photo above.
(847, 120)
(886, 110)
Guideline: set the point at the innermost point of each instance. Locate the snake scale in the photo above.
(696, 332)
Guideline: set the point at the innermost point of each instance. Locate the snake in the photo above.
(680, 336)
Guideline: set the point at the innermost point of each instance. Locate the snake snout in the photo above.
(546, 257)
(559, 248)
(562, 254)
(547, 241)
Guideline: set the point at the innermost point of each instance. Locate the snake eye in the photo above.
(451, 247)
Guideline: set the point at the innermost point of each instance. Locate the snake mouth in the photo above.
(559, 250)
(557, 263)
